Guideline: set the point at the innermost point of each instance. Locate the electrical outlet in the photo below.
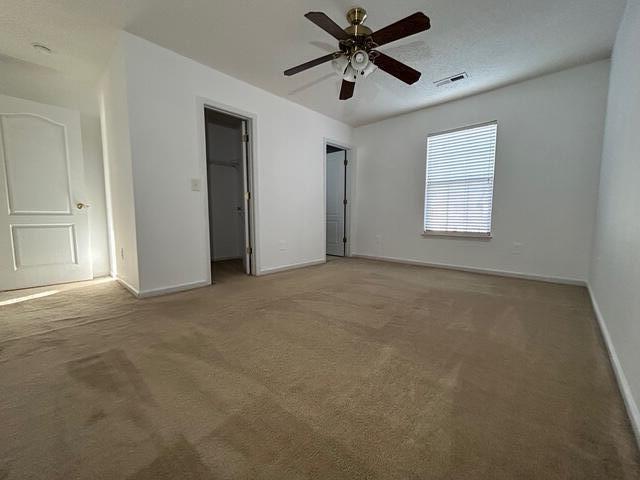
(283, 245)
(196, 185)
(516, 248)
(122, 253)
(379, 245)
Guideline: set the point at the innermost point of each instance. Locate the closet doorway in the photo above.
(337, 200)
(229, 194)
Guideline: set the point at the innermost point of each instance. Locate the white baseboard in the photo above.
(134, 291)
(487, 271)
(155, 292)
(293, 266)
(623, 384)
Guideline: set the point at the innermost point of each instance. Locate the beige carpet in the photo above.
(350, 370)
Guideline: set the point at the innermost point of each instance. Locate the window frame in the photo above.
(452, 233)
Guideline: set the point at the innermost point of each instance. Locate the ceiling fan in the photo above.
(357, 56)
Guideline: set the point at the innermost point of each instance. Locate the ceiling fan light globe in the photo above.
(360, 60)
(368, 70)
(340, 65)
(350, 74)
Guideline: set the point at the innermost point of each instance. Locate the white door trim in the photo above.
(254, 214)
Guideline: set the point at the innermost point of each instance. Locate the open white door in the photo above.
(336, 196)
(248, 250)
(44, 228)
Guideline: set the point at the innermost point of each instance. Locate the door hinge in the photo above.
(344, 202)
(346, 162)
(245, 138)
(344, 239)
(247, 195)
(249, 250)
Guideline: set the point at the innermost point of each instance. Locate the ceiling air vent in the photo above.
(452, 79)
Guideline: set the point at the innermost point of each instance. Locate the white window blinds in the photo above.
(459, 183)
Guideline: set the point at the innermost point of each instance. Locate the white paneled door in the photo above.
(335, 203)
(44, 228)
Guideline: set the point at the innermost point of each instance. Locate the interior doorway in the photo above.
(337, 200)
(229, 194)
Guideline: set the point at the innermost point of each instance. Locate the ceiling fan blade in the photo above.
(397, 69)
(416, 23)
(328, 25)
(311, 64)
(346, 91)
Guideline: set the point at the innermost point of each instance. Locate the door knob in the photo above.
(81, 205)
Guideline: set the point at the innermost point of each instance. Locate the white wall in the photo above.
(547, 167)
(615, 272)
(167, 151)
(119, 171)
(32, 82)
(96, 197)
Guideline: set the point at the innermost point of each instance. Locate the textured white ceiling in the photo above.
(495, 41)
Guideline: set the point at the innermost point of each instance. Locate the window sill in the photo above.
(467, 235)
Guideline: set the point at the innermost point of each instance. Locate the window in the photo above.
(459, 184)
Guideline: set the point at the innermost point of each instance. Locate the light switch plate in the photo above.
(196, 185)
